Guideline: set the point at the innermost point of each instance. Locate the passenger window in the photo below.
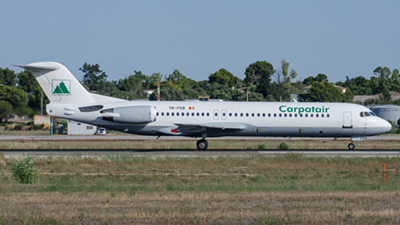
(235, 114)
(269, 114)
(247, 115)
(306, 115)
(230, 114)
(192, 114)
(172, 114)
(263, 114)
(290, 115)
(182, 114)
(295, 115)
(177, 114)
(187, 114)
(208, 114)
(202, 114)
(162, 114)
(197, 114)
(316, 115)
(167, 113)
(216, 114)
(322, 115)
(280, 114)
(157, 114)
(327, 115)
(285, 115)
(223, 114)
(241, 114)
(258, 114)
(312, 115)
(274, 114)
(301, 115)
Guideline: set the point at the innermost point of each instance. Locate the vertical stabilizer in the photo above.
(58, 83)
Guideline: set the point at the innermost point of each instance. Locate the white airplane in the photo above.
(70, 100)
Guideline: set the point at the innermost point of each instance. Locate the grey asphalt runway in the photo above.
(195, 153)
(141, 137)
(186, 153)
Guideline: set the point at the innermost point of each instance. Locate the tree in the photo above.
(222, 76)
(324, 92)
(28, 83)
(133, 85)
(93, 76)
(14, 97)
(285, 72)
(309, 80)
(263, 86)
(278, 92)
(256, 70)
(321, 77)
(8, 77)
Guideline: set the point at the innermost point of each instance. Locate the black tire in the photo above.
(202, 144)
(351, 146)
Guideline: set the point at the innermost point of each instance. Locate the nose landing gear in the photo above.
(351, 146)
(202, 144)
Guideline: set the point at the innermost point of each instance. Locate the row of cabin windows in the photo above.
(246, 114)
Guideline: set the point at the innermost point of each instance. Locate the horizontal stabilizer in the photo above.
(39, 68)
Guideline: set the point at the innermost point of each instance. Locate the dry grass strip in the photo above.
(203, 208)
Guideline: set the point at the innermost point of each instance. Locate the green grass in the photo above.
(256, 173)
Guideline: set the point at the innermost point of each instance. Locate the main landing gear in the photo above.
(202, 144)
(351, 146)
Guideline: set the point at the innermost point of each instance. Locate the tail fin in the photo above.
(58, 83)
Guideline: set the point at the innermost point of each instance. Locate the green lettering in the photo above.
(295, 109)
(290, 109)
(318, 110)
(308, 109)
(313, 109)
(282, 110)
(301, 110)
(326, 110)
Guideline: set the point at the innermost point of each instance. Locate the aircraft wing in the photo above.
(222, 126)
(196, 129)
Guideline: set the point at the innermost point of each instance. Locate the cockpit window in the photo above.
(366, 114)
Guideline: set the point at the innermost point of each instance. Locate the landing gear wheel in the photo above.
(202, 144)
(351, 146)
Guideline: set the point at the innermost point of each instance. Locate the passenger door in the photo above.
(347, 123)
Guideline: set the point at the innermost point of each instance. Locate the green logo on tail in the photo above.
(61, 87)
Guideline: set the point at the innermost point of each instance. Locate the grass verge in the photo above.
(203, 190)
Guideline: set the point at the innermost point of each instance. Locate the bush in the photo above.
(19, 126)
(36, 126)
(25, 172)
(283, 146)
(261, 146)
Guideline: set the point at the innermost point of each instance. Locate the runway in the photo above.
(195, 153)
(142, 137)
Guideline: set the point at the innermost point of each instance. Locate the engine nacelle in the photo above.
(130, 114)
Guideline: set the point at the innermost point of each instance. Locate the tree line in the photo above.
(21, 94)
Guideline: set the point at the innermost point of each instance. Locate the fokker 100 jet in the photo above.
(202, 119)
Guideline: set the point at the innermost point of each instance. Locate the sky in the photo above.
(338, 38)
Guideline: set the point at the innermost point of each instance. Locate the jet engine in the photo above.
(130, 114)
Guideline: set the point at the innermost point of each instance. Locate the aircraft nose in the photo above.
(386, 126)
